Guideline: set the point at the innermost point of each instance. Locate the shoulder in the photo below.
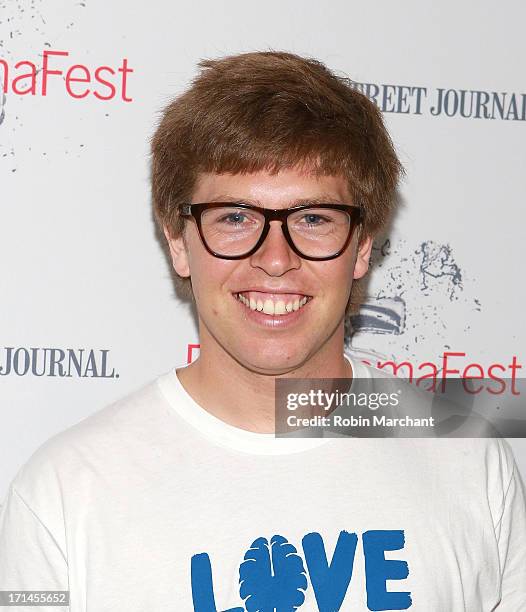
(94, 441)
(500, 464)
(481, 450)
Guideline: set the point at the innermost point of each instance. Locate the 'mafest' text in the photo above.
(77, 80)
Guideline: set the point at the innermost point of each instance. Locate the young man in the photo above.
(270, 177)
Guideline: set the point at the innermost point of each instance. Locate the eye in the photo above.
(314, 219)
(234, 218)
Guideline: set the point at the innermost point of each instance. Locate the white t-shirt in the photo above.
(154, 505)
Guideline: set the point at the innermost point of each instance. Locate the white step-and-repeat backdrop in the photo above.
(88, 311)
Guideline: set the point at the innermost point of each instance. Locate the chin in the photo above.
(272, 360)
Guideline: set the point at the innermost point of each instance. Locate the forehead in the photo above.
(277, 190)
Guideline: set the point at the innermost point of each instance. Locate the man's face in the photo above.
(269, 343)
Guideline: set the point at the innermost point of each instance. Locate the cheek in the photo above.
(210, 276)
(338, 276)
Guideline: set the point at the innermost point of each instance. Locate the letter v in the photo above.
(330, 582)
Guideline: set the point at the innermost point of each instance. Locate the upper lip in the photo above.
(280, 289)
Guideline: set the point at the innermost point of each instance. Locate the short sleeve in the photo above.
(30, 558)
(510, 532)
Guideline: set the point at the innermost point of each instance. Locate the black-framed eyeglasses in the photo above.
(234, 230)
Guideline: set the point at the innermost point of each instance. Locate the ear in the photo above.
(362, 258)
(179, 253)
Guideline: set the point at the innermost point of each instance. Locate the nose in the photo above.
(274, 256)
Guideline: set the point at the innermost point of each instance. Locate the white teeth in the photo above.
(279, 307)
(268, 307)
(272, 308)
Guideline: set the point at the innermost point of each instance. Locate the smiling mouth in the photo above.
(271, 304)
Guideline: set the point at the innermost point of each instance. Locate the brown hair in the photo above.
(269, 111)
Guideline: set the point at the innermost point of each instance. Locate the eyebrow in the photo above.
(320, 199)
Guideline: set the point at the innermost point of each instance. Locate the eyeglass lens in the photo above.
(315, 232)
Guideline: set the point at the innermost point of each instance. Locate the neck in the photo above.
(244, 398)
